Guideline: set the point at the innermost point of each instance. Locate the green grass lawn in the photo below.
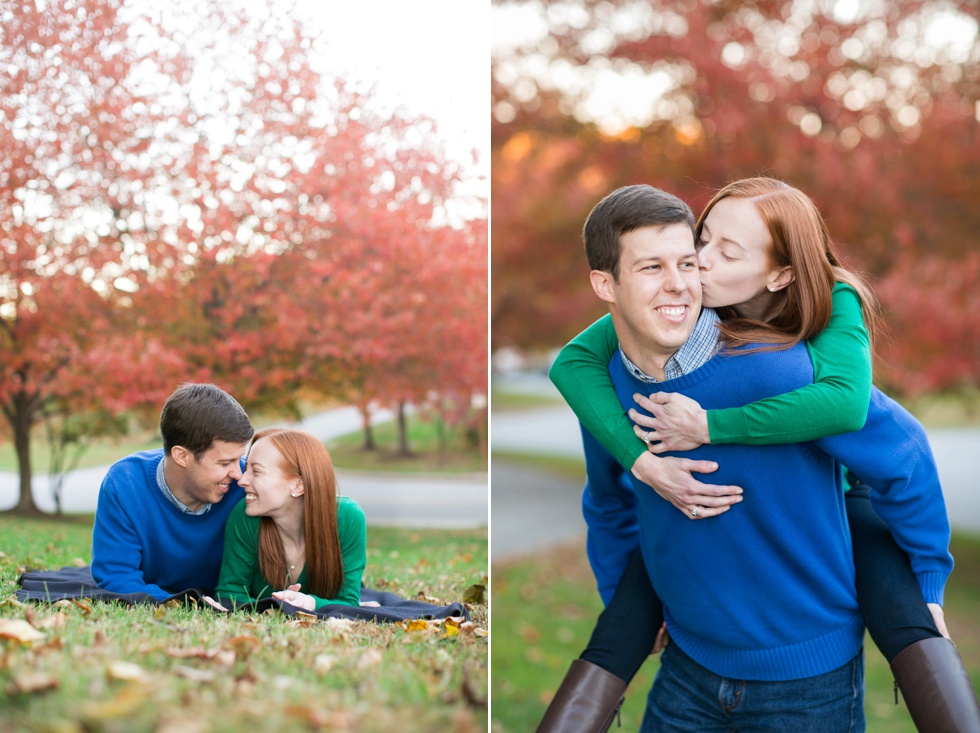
(501, 399)
(459, 456)
(548, 606)
(105, 667)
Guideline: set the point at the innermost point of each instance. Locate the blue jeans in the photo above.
(687, 697)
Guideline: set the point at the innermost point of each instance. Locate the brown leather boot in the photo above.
(936, 688)
(586, 702)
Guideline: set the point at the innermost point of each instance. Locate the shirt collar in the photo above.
(162, 484)
(700, 346)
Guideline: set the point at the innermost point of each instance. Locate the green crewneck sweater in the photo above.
(836, 402)
(243, 582)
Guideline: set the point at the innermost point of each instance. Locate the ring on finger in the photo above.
(694, 512)
(646, 438)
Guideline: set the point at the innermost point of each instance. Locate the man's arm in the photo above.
(116, 550)
(891, 454)
(609, 508)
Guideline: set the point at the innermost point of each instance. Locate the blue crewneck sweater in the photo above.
(765, 591)
(143, 543)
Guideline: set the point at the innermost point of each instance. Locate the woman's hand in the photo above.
(678, 422)
(293, 597)
(939, 618)
(214, 604)
(673, 479)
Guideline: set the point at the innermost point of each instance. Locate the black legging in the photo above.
(888, 594)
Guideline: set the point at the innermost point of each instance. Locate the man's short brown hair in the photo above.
(622, 211)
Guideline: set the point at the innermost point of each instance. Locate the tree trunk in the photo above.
(369, 443)
(402, 431)
(21, 424)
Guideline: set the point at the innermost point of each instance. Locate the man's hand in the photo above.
(672, 478)
(939, 618)
(678, 422)
(662, 640)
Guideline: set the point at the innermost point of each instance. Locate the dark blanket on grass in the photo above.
(72, 582)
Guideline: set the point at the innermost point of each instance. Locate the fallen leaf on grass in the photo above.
(476, 593)
(370, 658)
(101, 640)
(244, 645)
(82, 604)
(222, 657)
(26, 683)
(193, 674)
(182, 724)
(317, 718)
(123, 671)
(322, 664)
(428, 599)
(19, 630)
(54, 621)
(122, 705)
(338, 626)
(78, 562)
(416, 624)
(304, 620)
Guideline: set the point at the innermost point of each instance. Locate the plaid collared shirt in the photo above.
(700, 346)
(162, 483)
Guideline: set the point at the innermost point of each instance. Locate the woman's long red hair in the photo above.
(305, 457)
(800, 239)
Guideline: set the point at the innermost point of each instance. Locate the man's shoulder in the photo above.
(133, 471)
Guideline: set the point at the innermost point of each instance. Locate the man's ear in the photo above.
(781, 278)
(602, 284)
(181, 456)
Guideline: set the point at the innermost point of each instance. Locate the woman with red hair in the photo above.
(292, 537)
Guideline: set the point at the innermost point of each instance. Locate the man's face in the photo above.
(207, 479)
(657, 299)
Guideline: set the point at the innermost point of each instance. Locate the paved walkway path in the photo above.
(519, 492)
(397, 499)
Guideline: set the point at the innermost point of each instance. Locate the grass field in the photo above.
(547, 606)
(460, 456)
(104, 667)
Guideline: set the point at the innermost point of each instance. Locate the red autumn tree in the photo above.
(870, 115)
(184, 197)
(74, 132)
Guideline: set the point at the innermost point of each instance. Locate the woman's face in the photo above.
(267, 490)
(733, 255)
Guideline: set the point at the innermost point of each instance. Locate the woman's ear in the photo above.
(781, 278)
(297, 489)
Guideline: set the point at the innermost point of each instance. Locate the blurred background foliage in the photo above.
(869, 107)
(187, 194)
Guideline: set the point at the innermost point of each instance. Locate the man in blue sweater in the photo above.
(760, 603)
(160, 519)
